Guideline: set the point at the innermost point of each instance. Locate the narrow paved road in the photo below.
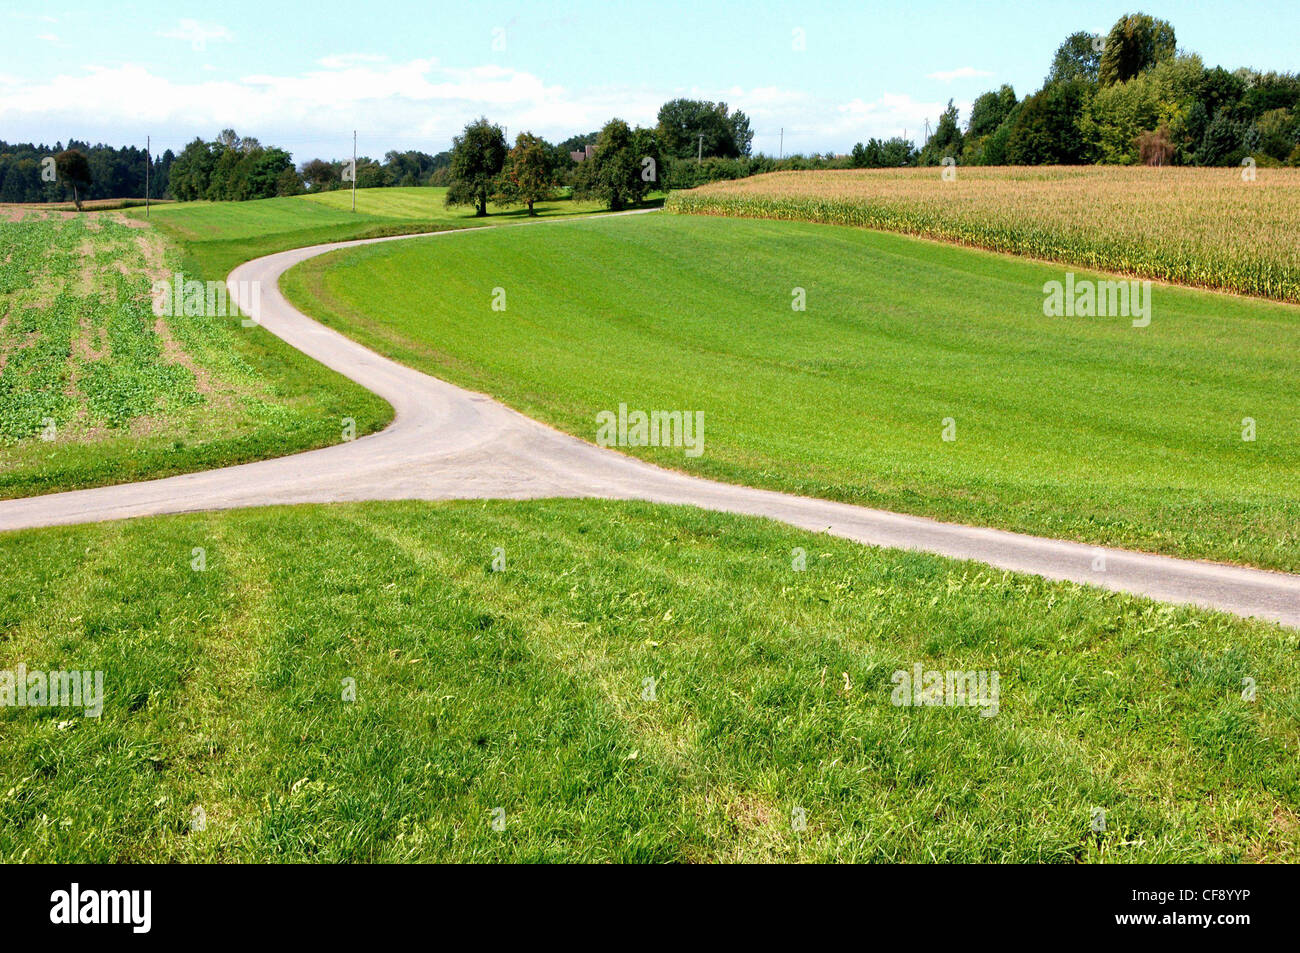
(448, 443)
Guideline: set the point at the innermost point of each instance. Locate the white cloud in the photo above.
(419, 103)
(48, 37)
(962, 72)
(342, 60)
(816, 125)
(196, 34)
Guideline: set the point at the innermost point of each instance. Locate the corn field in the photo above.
(1211, 228)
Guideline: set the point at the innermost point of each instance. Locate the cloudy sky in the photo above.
(408, 75)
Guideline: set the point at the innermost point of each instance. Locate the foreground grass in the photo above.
(95, 388)
(525, 690)
(1083, 428)
(1203, 227)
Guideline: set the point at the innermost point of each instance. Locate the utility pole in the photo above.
(148, 161)
(782, 155)
(354, 170)
(700, 154)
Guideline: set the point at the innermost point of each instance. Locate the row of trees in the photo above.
(625, 165)
(1129, 97)
(686, 129)
(398, 169)
(883, 154)
(25, 174)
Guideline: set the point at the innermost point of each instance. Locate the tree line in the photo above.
(26, 176)
(1126, 98)
(233, 168)
(623, 167)
(686, 130)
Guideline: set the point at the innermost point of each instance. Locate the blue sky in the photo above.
(408, 75)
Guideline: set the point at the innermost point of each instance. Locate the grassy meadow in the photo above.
(524, 695)
(220, 235)
(1080, 428)
(361, 683)
(1203, 227)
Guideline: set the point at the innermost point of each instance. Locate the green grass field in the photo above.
(643, 683)
(1082, 428)
(525, 690)
(221, 235)
(95, 388)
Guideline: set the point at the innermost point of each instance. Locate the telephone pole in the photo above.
(148, 161)
(699, 155)
(782, 155)
(354, 170)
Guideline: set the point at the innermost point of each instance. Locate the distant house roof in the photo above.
(584, 154)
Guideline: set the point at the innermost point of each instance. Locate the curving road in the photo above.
(448, 443)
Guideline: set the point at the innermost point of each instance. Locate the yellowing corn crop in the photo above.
(1231, 229)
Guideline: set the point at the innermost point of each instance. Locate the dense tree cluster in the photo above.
(627, 165)
(114, 172)
(231, 168)
(692, 129)
(886, 154)
(1131, 97)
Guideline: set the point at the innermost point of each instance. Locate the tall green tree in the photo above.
(990, 110)
(192, 171)
(321, 176)
(946, 140)
(1135, 43)
(73, 168)
(682, 123)
(740, 132)
(529, 175)
(626, 166)
(1046, 126)
(477, 157)
(1079, 57)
